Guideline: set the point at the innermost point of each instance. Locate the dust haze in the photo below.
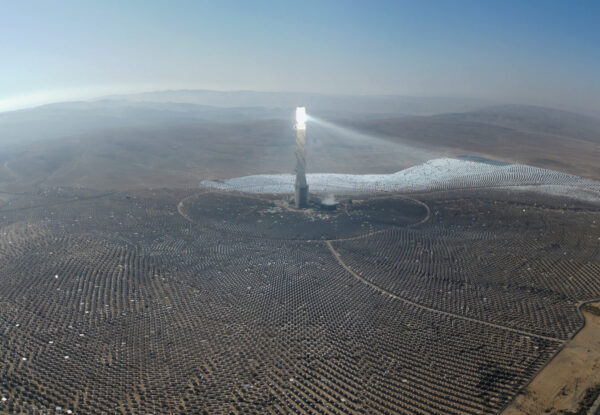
(175, 138)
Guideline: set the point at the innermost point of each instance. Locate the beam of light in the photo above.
(301, 118)
(357, 138)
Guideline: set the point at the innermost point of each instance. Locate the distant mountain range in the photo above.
(316, 103)
(177, 138)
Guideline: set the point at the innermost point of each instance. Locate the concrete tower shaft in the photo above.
(301, 187)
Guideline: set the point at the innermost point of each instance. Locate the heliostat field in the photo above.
(215, 302)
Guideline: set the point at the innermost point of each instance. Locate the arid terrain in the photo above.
(121, 145)
(127, 287)
(299, 208)
(571, 381)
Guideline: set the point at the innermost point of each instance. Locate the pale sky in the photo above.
(539, 52)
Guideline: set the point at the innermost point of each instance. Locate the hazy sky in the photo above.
(541, 52)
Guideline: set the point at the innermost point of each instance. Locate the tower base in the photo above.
(301, 196)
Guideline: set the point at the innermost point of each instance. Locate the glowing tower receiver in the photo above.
(301, 118)
(301, 187)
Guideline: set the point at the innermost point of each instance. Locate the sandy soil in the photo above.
(561, 385)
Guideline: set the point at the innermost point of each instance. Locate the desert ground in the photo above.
(128, 285)
(570, 381)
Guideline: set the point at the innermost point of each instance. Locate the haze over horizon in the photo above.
(542, 53)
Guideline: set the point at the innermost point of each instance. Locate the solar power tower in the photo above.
(301, 187)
